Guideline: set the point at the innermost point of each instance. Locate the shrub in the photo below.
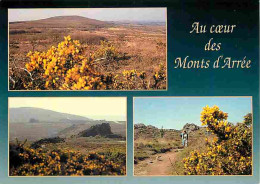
(39, 162)
(230, 153)
(69, 67)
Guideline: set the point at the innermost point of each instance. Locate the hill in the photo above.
(36, 123)
(117, 128)
(103, 130)
(34, 115)
(61, 22)
(150, 132)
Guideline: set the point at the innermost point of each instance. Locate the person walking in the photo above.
(185, 139)
(182, 138)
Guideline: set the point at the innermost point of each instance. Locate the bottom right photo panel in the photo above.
(193, 136)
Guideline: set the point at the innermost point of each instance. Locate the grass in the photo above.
(148, 143)
(144, 148)
(196, 142)
(143, 47)
(90, 144)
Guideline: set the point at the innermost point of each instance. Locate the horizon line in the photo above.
(153, 21)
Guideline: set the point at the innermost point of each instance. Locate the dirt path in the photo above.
(156, 165)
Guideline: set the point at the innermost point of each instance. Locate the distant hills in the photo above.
(143, 23)
(34, 115)
(36, 123)
(75, 21)
(77, 128)
(61, 21)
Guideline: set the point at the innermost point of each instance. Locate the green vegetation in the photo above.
(144, 149)
(229, 153)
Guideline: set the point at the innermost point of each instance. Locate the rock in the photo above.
(103, 129)
(190, 127)
(151, 127)
(139, 126)
(158, 158)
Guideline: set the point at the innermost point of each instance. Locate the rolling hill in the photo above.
(61, 22)
(118, 128)
(36, 123)
(27, 114)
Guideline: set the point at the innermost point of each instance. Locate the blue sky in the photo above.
(171, 112)
(105, 14)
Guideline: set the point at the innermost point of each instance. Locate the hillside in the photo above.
(61, 22)
(28, 114)
(142, 131)
(103, 130)
(36, 123)
(117, 128)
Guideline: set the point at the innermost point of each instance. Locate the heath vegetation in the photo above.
(91, 56)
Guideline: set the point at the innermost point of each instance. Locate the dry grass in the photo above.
(196, 142)
(143, 47)
(145, 147)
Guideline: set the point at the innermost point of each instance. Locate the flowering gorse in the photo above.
(229, 153)
(40, 162)
(70, 67)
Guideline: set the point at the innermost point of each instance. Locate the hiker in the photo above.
(184, 138)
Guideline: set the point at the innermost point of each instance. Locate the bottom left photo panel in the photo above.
(67, 136)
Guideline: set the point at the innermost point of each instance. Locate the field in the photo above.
(134, 53)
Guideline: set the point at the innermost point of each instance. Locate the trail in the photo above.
(157, 165)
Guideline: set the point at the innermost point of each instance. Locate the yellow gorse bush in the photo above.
(69, 67)
(229, 153)
(65, 67)
(39, 162)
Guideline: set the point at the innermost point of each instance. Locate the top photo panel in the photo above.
(88, 49)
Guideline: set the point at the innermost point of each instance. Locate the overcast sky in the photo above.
(109, 108)
(105, 14)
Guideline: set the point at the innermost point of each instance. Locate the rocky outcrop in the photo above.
(190, 127)
(145, 132)
(151, 132)
(139, 125)
(143, 126)
(103, 130)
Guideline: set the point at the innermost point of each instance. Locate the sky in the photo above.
(105, 14)
(174, 113)
(112, 108)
